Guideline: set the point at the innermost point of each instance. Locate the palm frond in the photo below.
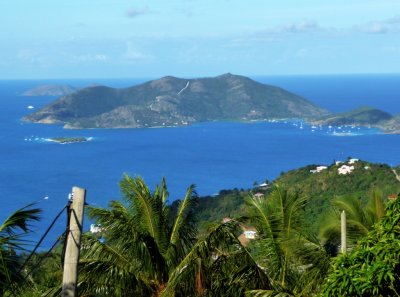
(222, 262)
(184, 207)
(145, 205)
(12, 231)
(19, 220)
(105, 269)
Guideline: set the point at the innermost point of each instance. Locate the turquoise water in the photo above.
(214, 156)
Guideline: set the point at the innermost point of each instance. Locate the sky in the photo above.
(197, 38)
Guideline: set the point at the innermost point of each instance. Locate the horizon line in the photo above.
(204, 76)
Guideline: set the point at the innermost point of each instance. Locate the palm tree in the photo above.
(12, 231)
(142, 245)
(294, 260)
(360, 216)
(218, 265)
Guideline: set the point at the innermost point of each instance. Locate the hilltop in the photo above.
(320, 187)
(50, 90)
(171, 101)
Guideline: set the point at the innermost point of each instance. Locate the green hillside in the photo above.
(320, 188)
(363, 116)
(172, 101)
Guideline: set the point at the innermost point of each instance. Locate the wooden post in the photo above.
(343, 232)
(70, 275)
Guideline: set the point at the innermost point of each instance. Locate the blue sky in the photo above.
(191, 38)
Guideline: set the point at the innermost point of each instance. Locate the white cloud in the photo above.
(132, 53)
(301, 27)
(101, 57)
(391, 25)
(135, 12)
(91, 58)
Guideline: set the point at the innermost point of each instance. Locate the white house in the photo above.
(259, 195)
(319, 169)
(353, 161)
(337, 163)
(250, 234)
(95, 229)
(345, 169)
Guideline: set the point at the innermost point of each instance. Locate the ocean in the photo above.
(213, 156)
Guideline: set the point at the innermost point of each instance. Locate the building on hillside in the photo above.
(345, 169)
(318, 169)
(258, 196)
(353, 161)
(226, 220)
(264, 186)
(337, 163)
(249, 233)
(95, 229)
(392, 197)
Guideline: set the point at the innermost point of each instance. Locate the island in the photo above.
(171, 101)
(363, 116)
(50, 90)
(65, 140)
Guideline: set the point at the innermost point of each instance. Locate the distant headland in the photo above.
(50, 90)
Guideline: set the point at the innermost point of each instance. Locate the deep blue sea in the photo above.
(213, 156)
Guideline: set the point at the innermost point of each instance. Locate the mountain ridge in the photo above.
(172, 101)
(50, 90)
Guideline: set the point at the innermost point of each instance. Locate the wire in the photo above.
(41, 239)
(38, 245)
(43, 257)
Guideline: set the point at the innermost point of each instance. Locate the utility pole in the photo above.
(343, 232)
(74, 235)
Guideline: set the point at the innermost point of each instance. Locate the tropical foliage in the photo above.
(148, 247)
(373, 267)
(361, 215)
(141, 244)
(322, 187)
(12, 233)
(293, 259)
(219, 265)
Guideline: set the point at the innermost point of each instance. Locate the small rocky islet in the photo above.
(66, 140)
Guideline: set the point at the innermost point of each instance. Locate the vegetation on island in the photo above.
(50, 90)
(172, 101)
(321, 188)
(363, 116)
(194, 246)
(64, 140)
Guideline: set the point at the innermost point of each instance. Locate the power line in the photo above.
(36, 247)
(41, 239)
(43, 257)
